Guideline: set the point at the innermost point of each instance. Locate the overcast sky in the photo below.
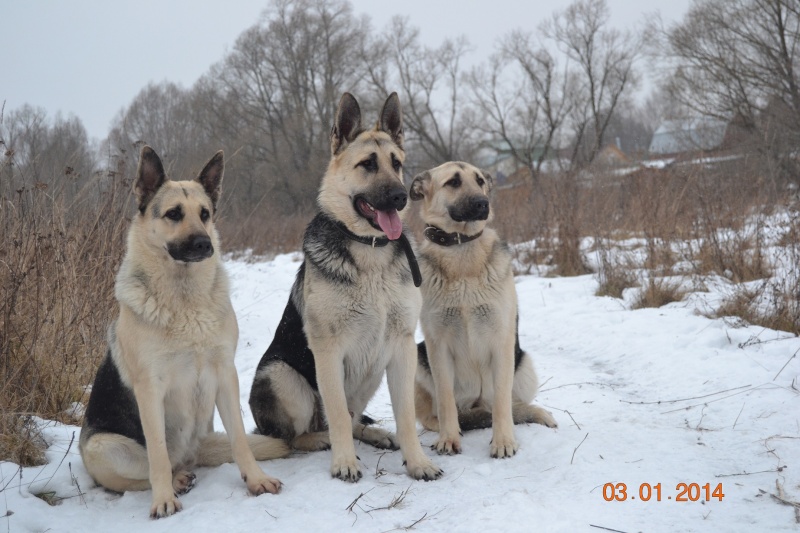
(89, 58)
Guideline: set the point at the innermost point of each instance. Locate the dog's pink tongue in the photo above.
(390, 223)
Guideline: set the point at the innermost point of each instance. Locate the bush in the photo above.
(57, 266)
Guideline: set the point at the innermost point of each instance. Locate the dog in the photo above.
(353, 308)
(149, 418)
(472, 372)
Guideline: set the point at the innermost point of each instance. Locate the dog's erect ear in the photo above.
(347, 124)
(391, 120)
(489, 180)
(211, 177)
(150, 177)
(419, 187)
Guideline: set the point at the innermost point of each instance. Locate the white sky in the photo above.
(89, 58)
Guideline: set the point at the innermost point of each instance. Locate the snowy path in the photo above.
(603, 364)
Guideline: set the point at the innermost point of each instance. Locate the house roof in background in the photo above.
(687, 135)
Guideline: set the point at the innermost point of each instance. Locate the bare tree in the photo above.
(24, 132)
(163, 116)
(429, 81)
(38, 151)
(737, 60)
(276, 92)
(604, 59)
(524, 98)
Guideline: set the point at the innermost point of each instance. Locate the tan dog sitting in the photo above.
(170, 356)
(472, 372)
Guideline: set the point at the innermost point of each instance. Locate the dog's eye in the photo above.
(396, 164)
(481, 182)
(174, 214)
(454, 182)
(204, 214)
(370, 164)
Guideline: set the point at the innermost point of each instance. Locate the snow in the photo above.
(647, 396)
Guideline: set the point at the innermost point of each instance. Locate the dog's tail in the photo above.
(216, 449)
(475, 418)
(522, 413)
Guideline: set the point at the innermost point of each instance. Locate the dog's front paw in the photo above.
(447, 445)
(183, 482)
(503, 447)
(346, 469)
(166, 506)
(261, 483)
(423, 469)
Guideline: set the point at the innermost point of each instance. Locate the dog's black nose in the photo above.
(201, 244)
(398, 199)
(471, 209)
(480, 206)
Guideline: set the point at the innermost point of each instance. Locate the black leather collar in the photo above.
(379, 242)
(372, 241)
(442, 238)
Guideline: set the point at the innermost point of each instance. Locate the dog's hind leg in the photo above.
(423, 402)
(312, 442)
(120, 464)
(380, 438)
(285, 406)
(532, 414)
(363, 426)
(526, 384)
(116, 462)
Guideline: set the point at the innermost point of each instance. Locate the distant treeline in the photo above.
(558, 93)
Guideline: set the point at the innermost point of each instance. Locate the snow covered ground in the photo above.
(654, 396)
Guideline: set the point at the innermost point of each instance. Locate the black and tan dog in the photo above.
(353, 307)
(472, 372)
(170, 361)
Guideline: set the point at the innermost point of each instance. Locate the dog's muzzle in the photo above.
(191, 250)
(387, 198)
(380, 208)
(470, 209)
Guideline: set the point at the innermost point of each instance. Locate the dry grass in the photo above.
(709, 217)
(614, 276)
(737, 260)
(264, 232)
(614, 282)
(771, 305)
(57, 267)
(550, 210)
(658, 292)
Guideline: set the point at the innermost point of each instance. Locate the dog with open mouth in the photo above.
(353, 308)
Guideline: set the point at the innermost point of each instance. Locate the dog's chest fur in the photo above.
(469, 304)
(185, 305)
(357, 296)
(184, 329)
(188, 405)
(466, 289)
